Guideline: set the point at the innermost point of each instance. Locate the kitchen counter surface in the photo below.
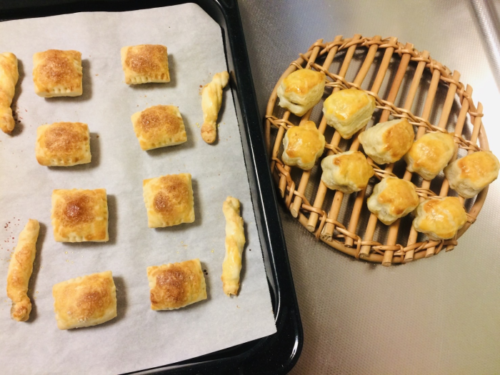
(432, 316)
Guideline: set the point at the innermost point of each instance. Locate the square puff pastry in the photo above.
(169, 200)
(440, 218)
(85, 301)
(389, 141)
(145, 63)
(176, 285)
(303, 145)
(348, 171)
(57, 73)
(63, 144)
(472, 173)
(430, 154)
(9, 74)
(159, 126)
(348, 111)
(393, 198)
(80, 215)
(301, 90)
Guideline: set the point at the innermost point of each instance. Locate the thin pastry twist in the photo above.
(20, 269)
(211, 100)
(9, 75)
(235, 241)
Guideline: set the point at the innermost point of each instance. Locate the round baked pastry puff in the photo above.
(440, 218)
(301, 90)
(472, 173)
(430, 154)
(303, 145)
(392, 198)
(348, 171)
(348, 111)
(389, 141)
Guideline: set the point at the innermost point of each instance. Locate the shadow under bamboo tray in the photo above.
(405, 83)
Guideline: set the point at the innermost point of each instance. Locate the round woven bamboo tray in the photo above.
(405, 83)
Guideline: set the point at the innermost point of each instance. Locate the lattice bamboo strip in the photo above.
(343, 236)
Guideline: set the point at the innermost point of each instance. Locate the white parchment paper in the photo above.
(138, 338)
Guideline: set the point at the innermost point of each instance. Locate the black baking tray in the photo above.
(275, 354)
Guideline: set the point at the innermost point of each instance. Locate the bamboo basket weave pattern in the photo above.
(405, 83)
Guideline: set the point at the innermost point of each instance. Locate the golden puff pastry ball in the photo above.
(392, 198)
(303, 145)
(301, 90)
(389, 141)
(348, 111)
(348, 171)
(440, 218)
(472, 173)
(430, 154)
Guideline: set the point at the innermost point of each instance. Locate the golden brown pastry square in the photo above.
(176, 285)
(145, 63)
(85, 301)
(63, 144)
(57, 73)
(169, 200)
(159, 126)
(80, 215)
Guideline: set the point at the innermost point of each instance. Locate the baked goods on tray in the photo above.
(9, 75)
(20, 269)
(63, 144)
(85, 301)
(301, 90)
(80, 215)
(303, 145)
(235, 242)
(57, 73)
(389, 86)
(169, 200)
(211, 101)
(145, 63)
(176, 285)
(159, 126)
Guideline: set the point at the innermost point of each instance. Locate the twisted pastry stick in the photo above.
(20, 269)
(235, 241)
(211, 100)
(8, 80)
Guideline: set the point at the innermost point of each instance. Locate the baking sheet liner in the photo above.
(138, 338)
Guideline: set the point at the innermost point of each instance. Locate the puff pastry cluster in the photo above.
(303, 145)
(348, 171)
(301, 90)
